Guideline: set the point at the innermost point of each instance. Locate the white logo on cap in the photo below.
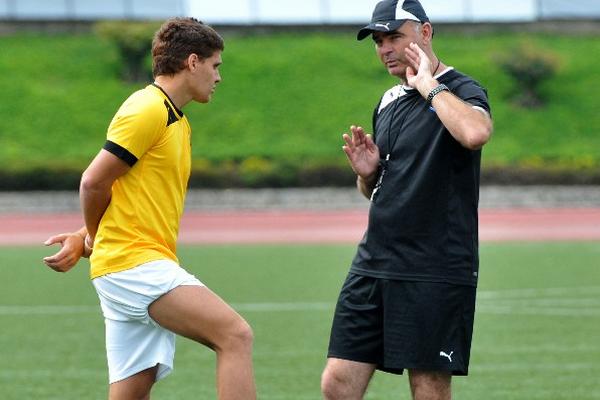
(403, 14)
(386, 26)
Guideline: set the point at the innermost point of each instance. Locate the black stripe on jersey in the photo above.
(120, 152)
(172, 118)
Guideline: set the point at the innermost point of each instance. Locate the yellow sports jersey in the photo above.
(141, 222)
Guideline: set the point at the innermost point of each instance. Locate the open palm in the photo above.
(361, 151)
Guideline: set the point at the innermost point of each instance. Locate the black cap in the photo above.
(389, 15)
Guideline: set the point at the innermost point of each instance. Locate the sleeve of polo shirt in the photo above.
(135, 128)
(474, 94)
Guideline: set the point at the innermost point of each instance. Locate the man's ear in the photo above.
(427, 32)
(193, 61)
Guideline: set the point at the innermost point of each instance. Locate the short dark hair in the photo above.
(179, 37)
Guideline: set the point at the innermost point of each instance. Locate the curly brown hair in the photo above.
(179, 37)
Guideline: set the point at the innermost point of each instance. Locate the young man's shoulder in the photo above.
(146, 104)
(146, 99)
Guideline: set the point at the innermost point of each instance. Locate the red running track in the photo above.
(319, 226)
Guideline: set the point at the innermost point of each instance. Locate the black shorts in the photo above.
(399, 325)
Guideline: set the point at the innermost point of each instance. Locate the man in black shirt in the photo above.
(409, 299)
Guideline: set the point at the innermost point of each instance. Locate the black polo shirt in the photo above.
(423, 220)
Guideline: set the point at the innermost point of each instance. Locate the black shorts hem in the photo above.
(351, 358)
(435, 368)
(378, 366)
(398, 370)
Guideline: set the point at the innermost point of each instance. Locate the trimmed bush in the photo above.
(529, 68)
(133, 41)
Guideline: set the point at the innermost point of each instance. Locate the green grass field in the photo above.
(536, 333)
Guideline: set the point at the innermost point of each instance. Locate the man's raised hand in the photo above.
(361, 151)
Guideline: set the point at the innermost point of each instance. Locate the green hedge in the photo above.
(277, 117)
(230, 175)
(253, 172)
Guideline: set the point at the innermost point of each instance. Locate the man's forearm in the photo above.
(94, 202)
(470, 127)
(95, 190)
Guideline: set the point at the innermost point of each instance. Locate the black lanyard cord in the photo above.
(383, 163)
(391, 144)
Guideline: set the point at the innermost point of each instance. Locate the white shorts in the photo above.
(134, 341)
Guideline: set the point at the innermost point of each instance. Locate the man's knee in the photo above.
(238, 337)
(333, 384)
(344, 382)
(244, 334)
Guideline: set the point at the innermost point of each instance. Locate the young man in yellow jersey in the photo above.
(132, 197)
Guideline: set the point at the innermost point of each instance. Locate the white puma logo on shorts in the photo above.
(448, 356)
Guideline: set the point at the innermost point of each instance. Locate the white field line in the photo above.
(528, 293)
(528, 367)
(276, 307)
(47, 310)
(552, 312)
(546, 301)
(29, 374)
(245, 307)
(588, 347)
(560, 302)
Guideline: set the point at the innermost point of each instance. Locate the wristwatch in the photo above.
(439, 88)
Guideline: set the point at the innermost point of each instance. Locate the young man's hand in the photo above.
(72, 249)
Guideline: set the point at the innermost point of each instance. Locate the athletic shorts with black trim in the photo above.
(399, 325)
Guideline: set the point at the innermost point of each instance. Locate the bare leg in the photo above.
(199, 314)
(427, 385)
(345, 380)
(136, 387)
